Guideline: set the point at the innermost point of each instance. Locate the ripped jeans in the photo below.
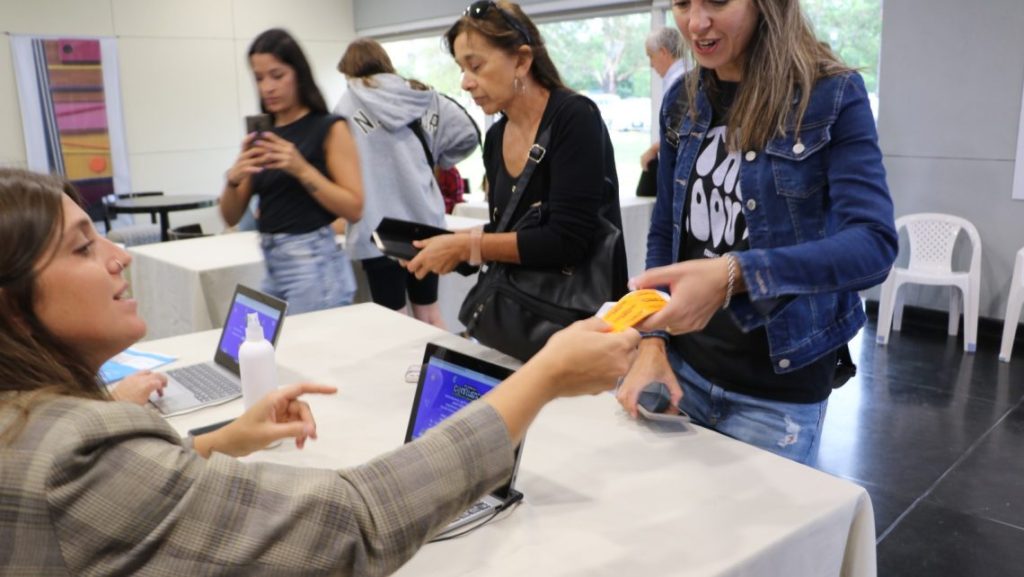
(791, 430)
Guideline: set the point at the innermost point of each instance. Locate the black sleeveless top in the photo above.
(285, 204)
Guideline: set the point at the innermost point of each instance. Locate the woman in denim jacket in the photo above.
(777, 212)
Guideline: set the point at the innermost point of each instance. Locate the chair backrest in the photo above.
(933, 237)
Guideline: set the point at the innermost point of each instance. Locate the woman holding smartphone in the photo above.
(305, 170)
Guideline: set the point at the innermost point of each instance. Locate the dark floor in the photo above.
(936, 436)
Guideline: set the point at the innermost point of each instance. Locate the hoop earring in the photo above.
(518, 85)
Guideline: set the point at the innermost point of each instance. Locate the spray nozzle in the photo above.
(253, 330)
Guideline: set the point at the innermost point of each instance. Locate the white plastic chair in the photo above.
(1013, 305)
(932, 239)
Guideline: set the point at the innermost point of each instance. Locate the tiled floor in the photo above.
(936, 436)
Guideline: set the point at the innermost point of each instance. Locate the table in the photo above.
(604, 495)
(186, 286)
(636, 220)
(162, 205)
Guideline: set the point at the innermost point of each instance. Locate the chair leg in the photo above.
(956, 298)
(972, 300)
(1013, 306)
(885, 308)
(897, 312)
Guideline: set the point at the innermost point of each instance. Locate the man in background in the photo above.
(665, 49)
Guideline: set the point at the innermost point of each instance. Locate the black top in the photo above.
(575, 181)
(715, 225)
(285, 204)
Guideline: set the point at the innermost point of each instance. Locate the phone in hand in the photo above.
(258, 123)
(654, 400)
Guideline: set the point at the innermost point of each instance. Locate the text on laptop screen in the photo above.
(446, 389)
(234, 331)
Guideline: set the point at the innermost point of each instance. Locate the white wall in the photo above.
(950, 101)
(185, 81)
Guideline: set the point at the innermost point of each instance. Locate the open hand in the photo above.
(276, 416)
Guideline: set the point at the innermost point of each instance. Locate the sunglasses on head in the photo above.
(479, 10)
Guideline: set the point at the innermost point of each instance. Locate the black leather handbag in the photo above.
(515, 308)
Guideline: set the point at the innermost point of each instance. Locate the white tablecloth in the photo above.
(636, 220)
(604, 495)
(186, 286)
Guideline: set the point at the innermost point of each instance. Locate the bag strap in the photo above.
(417, 128)
(537, 152)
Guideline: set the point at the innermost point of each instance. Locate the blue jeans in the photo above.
(308, 270)
(791, 430)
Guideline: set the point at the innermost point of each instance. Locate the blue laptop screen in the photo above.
(234, 330)
(446, 389)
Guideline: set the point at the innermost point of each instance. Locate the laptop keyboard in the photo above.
(206, 382)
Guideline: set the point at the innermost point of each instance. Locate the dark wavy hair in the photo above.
(496, 30)
(32, 360)
(281, 45)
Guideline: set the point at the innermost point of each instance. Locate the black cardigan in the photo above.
(575, 182)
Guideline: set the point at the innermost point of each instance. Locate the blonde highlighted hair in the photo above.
(784, 60)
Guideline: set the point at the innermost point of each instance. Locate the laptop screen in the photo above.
(447, 388)
(246, 300)
(448, 382)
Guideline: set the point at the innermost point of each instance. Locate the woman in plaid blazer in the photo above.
(93, 486)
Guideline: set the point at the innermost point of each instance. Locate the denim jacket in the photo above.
(819, 218)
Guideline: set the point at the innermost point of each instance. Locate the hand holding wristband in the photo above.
(475, 241)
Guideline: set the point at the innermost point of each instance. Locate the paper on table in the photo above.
(129, 362)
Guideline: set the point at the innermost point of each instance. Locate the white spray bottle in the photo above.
(256, 363)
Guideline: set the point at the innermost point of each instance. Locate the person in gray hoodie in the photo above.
(403, 130)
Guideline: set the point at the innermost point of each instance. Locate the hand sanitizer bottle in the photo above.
(256, 363)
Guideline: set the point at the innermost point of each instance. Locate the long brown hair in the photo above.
(32, 360)
(496, 30)
(783, 62)
(364, 58)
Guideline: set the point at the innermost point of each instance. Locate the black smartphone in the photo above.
(654, 397)
(258, 123)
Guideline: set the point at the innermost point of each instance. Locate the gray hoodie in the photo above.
(397, 179)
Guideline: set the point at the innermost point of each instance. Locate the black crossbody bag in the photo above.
(515, 308)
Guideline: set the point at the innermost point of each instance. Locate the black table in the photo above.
(162, 205)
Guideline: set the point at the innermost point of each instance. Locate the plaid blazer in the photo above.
(108, 488)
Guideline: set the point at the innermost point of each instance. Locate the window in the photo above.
(853, 28)
(604, 58)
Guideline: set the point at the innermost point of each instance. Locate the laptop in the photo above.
(449, 381)
(214, 382)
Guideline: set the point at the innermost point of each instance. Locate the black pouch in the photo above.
(845, 369)
(648, 184)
